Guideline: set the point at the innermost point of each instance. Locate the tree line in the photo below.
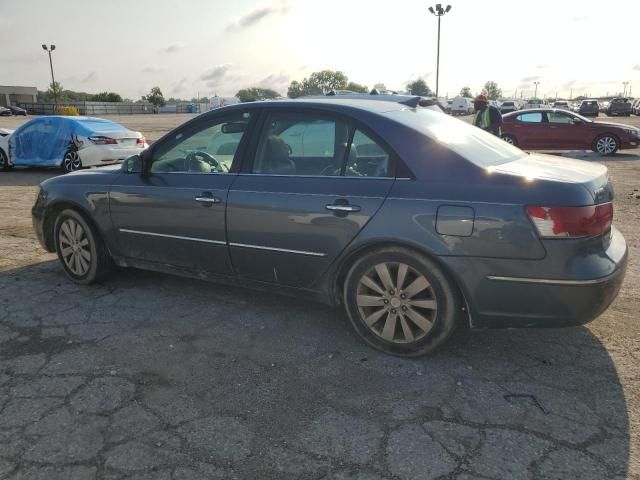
(318, 83)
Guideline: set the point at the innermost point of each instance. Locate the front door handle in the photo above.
(207, 199)
(342, 208)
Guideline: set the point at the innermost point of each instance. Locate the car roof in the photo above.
(535, 110)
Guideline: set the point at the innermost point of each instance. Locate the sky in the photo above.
(195, 48)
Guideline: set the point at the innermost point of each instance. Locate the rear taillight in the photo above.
(101, 140)
(571, 222)
(141, 141)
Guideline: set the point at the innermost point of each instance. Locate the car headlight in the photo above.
(632, 131)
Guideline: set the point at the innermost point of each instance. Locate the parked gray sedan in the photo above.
(414, 221)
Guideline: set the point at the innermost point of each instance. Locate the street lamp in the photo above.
(624, 93)
(535, 95)
(53, 80)
(438, 12)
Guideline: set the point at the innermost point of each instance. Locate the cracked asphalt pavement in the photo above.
(149, 376)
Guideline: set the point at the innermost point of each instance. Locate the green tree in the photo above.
(54, 91)
(419, 87)
(491, 90)
(256, 93)
(105, 97)
(155, 97)
(380, 87)
(327, 80)
(466, 92)
(356, 87)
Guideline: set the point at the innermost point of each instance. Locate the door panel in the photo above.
(280, 229)
(157, 218)
(563, 133)
(531, 131)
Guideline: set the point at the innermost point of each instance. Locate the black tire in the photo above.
(71, 162)
(99, 262)
(401, 321)
(4, 161)
(510, 139)
(606, 144)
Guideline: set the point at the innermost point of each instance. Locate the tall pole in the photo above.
(438, 59)
(53, 80)
(438, 11)
(625, 88)
(50, 49)
(535, 95)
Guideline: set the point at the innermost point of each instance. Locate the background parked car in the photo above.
(635, 106)
(562, 130)
(619, 106)
(5, 112)
(508, 106)
(589, 108)
(536, 103)
(462, 106)
(17, 110)
(562, 104)
(69, 143)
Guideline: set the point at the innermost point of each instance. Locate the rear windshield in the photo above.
(507, 104)
(590, 102)
(472, 143)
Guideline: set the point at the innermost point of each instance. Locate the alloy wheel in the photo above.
(71, 161)
(396, 302)
(606, 145)
(74, 247)
(4, 162)
(509, 140)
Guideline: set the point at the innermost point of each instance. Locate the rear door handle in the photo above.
(342, 208)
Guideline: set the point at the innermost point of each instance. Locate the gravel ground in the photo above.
(150, 376)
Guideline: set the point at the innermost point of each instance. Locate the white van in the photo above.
(462, 106)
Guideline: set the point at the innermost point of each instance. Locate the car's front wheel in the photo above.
(606, 145)
(81, 252)
(401, 302)
(71, 161)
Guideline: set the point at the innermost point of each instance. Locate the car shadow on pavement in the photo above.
(180, 378)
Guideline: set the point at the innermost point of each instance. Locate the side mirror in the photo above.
(577, 121)
(133, 164)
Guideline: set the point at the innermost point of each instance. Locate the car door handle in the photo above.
(208, 200)
(342, 208)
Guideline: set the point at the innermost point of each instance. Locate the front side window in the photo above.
(534, 117)
(301, 144)
(209, 147)
(557, 117)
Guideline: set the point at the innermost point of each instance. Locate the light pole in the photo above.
(439, 12)
(53, 80)
(535, 95)
(624, 93)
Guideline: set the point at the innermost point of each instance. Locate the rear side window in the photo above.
(534, 117)
(556, 117)
(301, 144)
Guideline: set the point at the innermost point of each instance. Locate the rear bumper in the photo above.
(509, 299)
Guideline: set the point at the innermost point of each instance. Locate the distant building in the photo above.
(12, 95)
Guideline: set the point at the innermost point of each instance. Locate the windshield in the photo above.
(472, 143)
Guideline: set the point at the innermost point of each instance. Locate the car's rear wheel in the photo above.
(71, 161)
(606, 145)
(4, 161)
(82, 253)
(401, 302)
(510, 139)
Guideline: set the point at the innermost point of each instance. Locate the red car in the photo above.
(551, 129)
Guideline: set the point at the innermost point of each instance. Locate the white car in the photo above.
(69, 143)
(536, 103)
(462, 106)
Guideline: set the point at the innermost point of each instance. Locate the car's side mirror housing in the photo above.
(577, 121)
(133, 164)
